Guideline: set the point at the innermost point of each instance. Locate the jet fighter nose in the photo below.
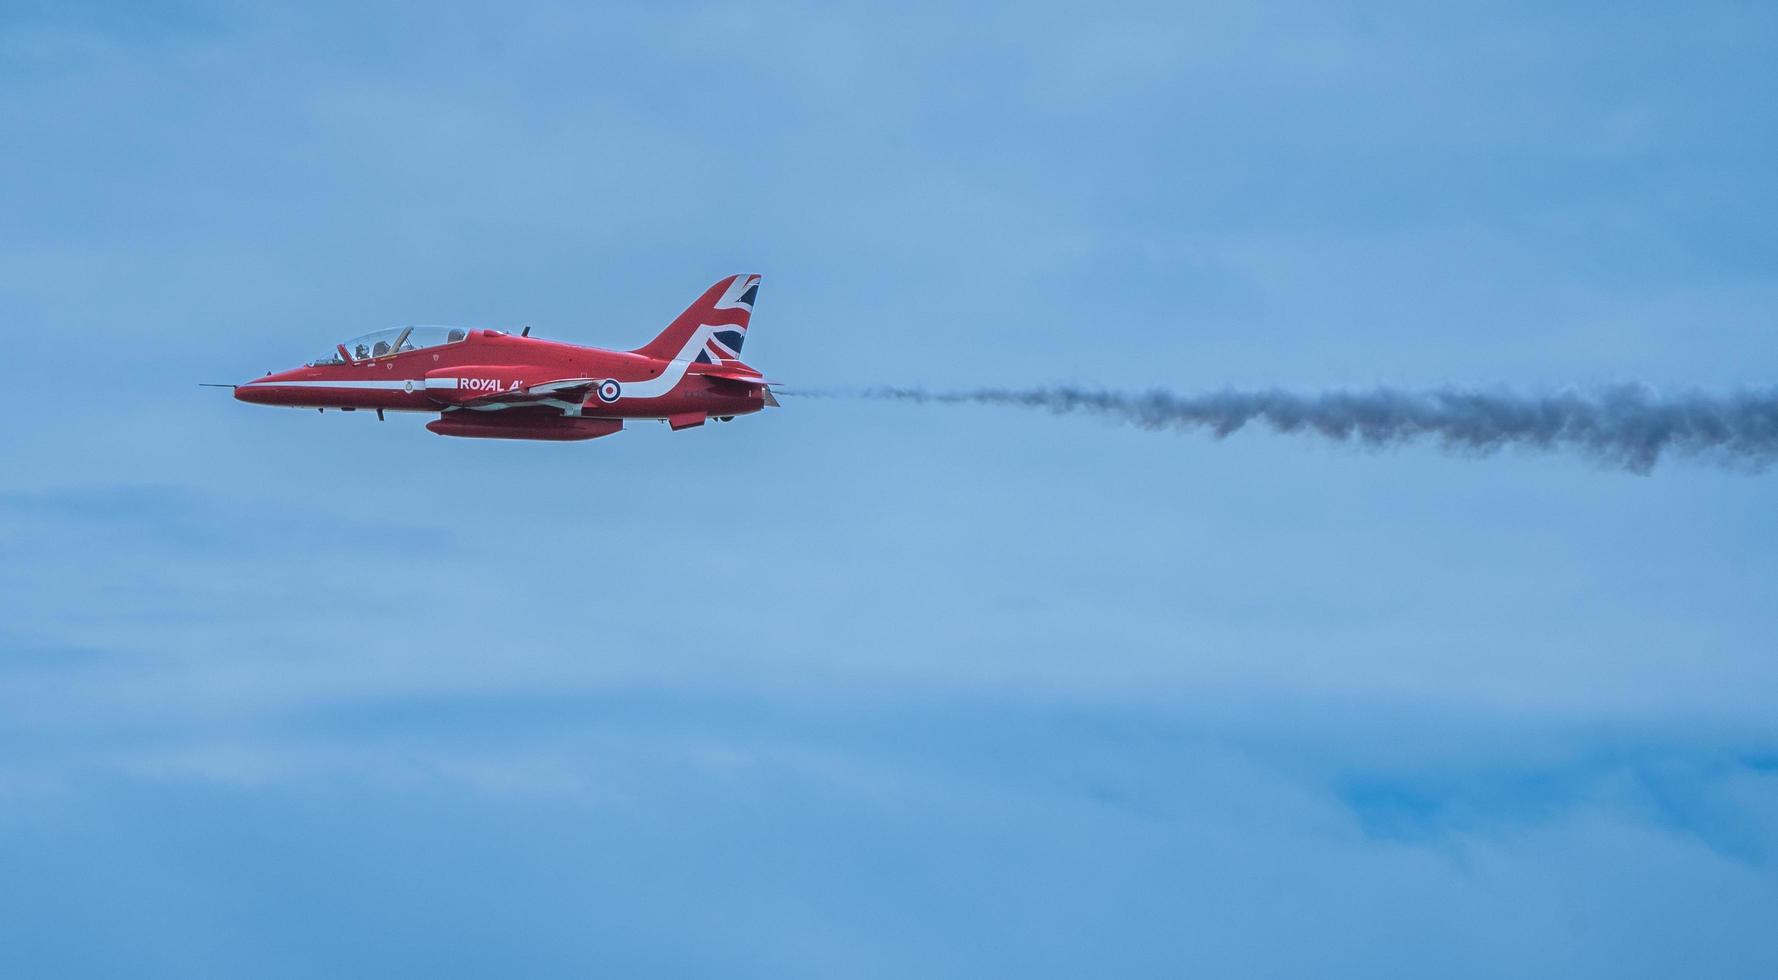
(270, 388)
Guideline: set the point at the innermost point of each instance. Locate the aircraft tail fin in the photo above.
(712, 329)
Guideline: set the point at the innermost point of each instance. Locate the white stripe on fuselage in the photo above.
(404, 385)
(671, 375)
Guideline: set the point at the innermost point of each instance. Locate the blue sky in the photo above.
(875, 689)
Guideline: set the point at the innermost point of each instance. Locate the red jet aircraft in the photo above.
(488, 384)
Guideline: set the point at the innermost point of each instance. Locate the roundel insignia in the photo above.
(609, 390)
(409, 385)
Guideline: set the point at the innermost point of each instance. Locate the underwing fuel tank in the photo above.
(493, 426)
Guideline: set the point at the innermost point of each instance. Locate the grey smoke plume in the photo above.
(1627, 426)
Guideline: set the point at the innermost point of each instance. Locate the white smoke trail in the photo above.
(1627, 426)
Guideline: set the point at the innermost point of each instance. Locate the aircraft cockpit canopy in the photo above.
(392, 341)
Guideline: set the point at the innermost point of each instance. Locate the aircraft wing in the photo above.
(491, 385)
(503, 386)
(568, 388)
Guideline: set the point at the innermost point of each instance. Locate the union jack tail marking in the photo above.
(712, 329)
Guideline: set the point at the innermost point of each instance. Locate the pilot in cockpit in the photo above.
(361, 352)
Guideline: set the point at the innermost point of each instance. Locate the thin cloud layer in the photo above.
(840, 690)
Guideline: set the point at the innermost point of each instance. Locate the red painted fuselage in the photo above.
(490, 384)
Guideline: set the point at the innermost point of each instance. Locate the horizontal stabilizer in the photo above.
(737, 372)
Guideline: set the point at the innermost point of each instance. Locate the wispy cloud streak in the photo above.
(1627, 426)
